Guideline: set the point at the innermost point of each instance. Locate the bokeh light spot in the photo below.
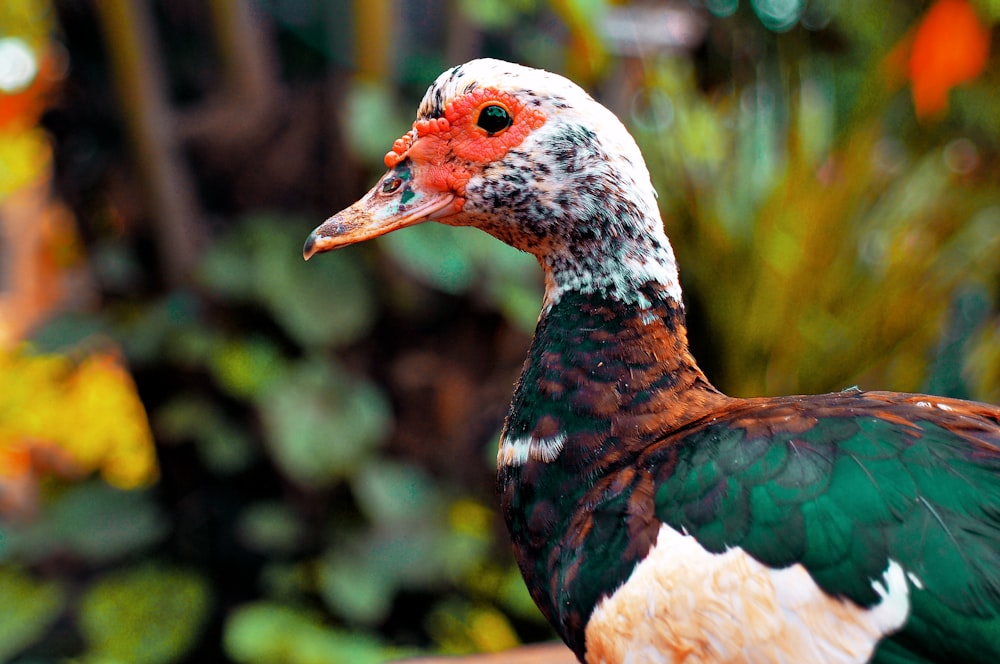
(722, 8)
(651, 109)
(18, 66)
(961, 156)
(778, 15)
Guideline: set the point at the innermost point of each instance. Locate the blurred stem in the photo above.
(243, 49)
(586, 56)
(464, 40)
(373, 34)
(239, 112)
(138, 78)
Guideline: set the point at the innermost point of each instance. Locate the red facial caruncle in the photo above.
(477, 128)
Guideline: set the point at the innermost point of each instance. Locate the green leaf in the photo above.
(145, 615)
(67, 331)
(518, 302)
(192, 345)
(146, 332)
(496, 14)
(374, 120)
(391, 493)
(455, 260)
(325, 302)
(91, 520)
(970, 310)
(360, 578)
(320, 425)
(223, 445)
(515, 597)
(266, 633)
(245, 367)
(437, 255)
(990, 8)
(270, 527)
(28, 607)
(355, 587)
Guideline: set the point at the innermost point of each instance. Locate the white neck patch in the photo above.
(518, 451)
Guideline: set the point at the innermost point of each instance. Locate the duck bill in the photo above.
(395, 202)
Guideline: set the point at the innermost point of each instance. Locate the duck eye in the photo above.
(391, 185)
(493, 119)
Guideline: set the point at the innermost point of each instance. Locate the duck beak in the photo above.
(395, 202)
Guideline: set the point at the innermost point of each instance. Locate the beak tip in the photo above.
(309, 249)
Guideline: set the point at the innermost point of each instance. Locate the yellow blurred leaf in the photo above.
(73, 418)
(24, 156)
(459, 628)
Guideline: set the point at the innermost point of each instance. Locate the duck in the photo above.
(653, 517)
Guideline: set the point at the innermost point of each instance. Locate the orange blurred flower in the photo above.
(951, 46)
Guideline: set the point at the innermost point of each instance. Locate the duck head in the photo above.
(530, 158)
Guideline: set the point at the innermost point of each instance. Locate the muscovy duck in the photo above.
(654, 518)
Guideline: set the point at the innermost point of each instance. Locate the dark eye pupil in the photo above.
(494, 119)
(391, 185)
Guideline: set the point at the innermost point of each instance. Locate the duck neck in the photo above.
(605, 378)
(608, 373)
(620, 278)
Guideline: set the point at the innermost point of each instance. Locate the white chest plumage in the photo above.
(686, 604)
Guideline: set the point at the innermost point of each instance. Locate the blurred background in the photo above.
(212, 451)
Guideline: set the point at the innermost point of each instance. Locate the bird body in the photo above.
(654, 518)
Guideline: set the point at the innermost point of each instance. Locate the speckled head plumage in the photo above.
(532, 159)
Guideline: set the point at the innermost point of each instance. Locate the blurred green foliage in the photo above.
(458, 261)
(821, 262)
(28, 607)
(321, 426)
(263, 632)
(89, 521)
(325, 430)
(144, 615)
(326, 305)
